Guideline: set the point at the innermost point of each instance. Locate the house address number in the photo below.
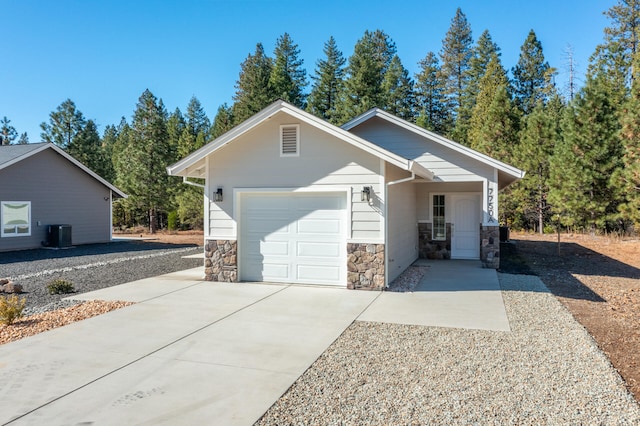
(490, 204)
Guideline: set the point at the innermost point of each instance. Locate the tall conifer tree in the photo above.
(7, 132)
(455, 56)
(328, 83)
(397, 91)
(288, 79)
(530, 75)
(253, 91)
(64, 124)
(431, 103)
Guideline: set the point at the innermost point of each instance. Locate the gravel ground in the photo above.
(547, 370)
(90, 267)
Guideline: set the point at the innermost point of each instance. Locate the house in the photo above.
(291, 198)
(42, 185)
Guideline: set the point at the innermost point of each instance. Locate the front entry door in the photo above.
(465, 238)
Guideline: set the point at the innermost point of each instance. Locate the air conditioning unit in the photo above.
(59, 236)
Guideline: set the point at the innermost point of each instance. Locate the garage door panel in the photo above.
(318, 274)
(293, 238)
(315, 249)
(320, 226)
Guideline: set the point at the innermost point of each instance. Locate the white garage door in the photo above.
(293, 238)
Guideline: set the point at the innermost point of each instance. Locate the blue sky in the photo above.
(104, 54)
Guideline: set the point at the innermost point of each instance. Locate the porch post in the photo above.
(489, 229)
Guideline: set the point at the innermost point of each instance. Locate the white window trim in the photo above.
(433, 225)
(12, 235)
(297, 153)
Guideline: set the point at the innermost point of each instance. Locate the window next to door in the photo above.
(439, 226)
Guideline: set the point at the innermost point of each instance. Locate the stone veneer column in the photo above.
(365, 265)
(430, 248)
(221, 260)
(490, 246)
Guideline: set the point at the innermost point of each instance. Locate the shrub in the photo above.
(11, 308)
(60, 286)
(172, 220)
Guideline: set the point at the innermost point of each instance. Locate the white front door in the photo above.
(293, 238)
(465, 232)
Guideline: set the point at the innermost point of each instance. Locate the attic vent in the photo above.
(289, 140)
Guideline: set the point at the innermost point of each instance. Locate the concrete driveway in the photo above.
(187, 353)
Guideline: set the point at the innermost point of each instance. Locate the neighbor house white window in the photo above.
(16, 218)
(439, 226)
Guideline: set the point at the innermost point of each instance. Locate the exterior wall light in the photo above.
(217, 196)
(366, 193)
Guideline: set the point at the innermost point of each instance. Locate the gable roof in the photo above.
(507, 173)
(194, 164)
(12, 154)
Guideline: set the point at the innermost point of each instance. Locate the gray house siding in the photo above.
(60, 193)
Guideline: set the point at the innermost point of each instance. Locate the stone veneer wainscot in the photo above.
(365, 266)
(490, 246)
(221, 260)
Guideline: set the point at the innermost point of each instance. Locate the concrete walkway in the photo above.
(193, 352)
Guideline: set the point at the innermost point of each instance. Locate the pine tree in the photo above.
(176, 124)
(371, 57)
(86, 147)
(23, 139)
(397, 91)
(197, 120)
(627, 177)
(7, 132)
(484, 50)
(589, 153)
(530, 75)
(288, 79)
(141, 166)
(64, 124)
(223, 121)
(455, 57)
(328, 83)
(538, 137)
(431, 104)
(494, 123)
(621, 40)
(253, 92)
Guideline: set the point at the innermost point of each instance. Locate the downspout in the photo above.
(386, 227)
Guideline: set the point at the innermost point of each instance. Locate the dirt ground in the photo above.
(598, 280)
(168, 237)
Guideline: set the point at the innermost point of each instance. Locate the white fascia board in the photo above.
(179, 168)
(377, 112)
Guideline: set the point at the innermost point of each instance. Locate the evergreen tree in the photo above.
(288, 79)
(539, 135)
(223, 121)
(23, 139)
(371, 58)
(86, 147)
(456, 57)
(253, 92)
(484, 50)
(197, 120)
(621, 40)
(328, 83)
(530, 75)
(141, 164)
(109, 141)
(431, 104)
(65, 123)
(628, 176)
(176, 124)
(589, 153)
(494, 122)
(7, 132)
(397, 91)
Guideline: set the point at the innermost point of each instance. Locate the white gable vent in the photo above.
(290, 140)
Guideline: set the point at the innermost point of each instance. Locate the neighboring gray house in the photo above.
(42, 185)
(292, 198)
